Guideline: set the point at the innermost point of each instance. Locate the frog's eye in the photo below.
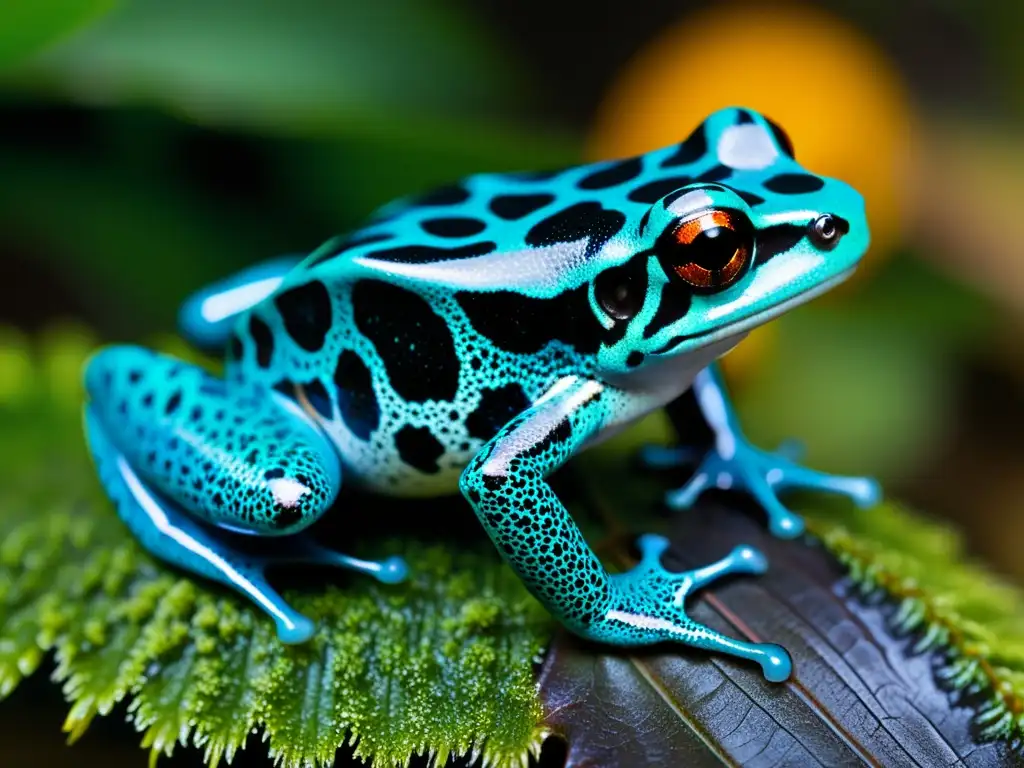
(620, 292)
(709, 251)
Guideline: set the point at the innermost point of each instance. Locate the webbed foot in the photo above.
(649, 606)
(734, 464)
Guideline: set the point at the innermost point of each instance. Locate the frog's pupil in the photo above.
(713, 248)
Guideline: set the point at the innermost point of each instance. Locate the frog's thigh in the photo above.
(529, 525)
(207, 317)
(236, 459)
(169, 534)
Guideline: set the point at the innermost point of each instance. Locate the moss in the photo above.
(943, 600)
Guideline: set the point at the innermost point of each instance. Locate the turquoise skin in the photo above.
(477, 338)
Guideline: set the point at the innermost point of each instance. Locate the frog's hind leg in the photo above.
(172, 536)
(176, 448)
(207, 317)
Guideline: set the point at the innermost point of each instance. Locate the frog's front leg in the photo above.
(733, 463)
(181, 455)
(506, 485)
(207, 317)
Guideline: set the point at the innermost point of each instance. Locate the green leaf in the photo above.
(439, 666)
(304, 66)
(31, 25)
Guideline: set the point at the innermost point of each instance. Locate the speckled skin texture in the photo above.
(478, 337)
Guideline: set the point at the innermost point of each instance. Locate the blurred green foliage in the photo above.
(28, 27)
(313, 113)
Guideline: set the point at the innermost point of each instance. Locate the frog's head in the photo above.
(715, 258)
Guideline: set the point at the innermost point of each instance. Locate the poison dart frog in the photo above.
(477, 338)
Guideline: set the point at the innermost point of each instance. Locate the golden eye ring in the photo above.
(711, 250)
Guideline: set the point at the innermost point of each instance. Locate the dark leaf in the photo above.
(859, 694)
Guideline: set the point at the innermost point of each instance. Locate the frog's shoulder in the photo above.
(485, 231)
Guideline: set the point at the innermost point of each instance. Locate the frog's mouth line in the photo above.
(751, 321)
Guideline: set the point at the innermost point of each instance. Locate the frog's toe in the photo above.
(649, 571)
(294, 629)
(776, 664)
(749, 560)
(782, 523)
(863, 491)
(393, 570)
(684, 498)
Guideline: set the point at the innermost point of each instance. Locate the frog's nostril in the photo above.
(827, 229)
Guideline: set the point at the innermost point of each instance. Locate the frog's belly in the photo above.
(404, 458)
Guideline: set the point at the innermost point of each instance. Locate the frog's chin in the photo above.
(735, 330)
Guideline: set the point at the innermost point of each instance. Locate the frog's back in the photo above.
(414, 339)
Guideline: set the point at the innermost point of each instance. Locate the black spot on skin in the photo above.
(718, 173)
(496, 409)
(524, 325)
(575, 222)
(173, 403)
(307, 314)
(449, 195)
(357, 402)
(613, 175)
(669, 345)
(781, 138)
(772, 241)
(414, 342)
(560, 434)
(691, 150)
(417, 254)
(264, 340)
(672, 306)
(635, 358)
(285, 517)
(455, 226)
(743, 117)
(213, 387)
(643, 221)
(794, 183)
(418, 448)
(671, 197)
(750, 198)
(653, 191)
(316, 394)
(273, 474)
(512, 207)
(234, 348)
(350, 244)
